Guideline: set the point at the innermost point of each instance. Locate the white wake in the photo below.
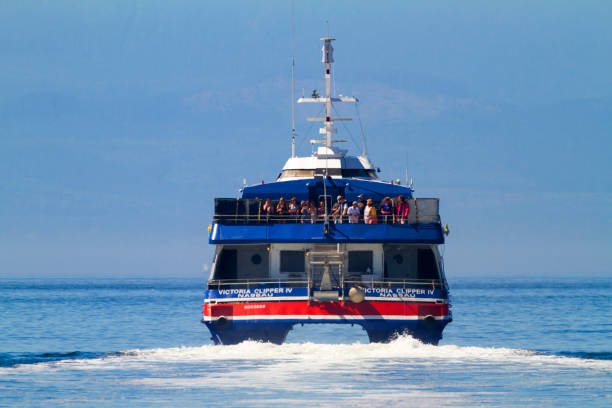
(402, 350)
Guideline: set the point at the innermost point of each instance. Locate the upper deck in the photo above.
(245, 221)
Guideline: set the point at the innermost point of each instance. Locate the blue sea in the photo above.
(126, 342)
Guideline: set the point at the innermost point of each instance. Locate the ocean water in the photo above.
(518, 342)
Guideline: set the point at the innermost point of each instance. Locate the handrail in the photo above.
(389, 283)
(291, 219)
(405, 283)
(248, 283)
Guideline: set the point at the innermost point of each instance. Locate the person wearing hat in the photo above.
(339, 209)
(369, 213)
(353, 213)
(361, 204)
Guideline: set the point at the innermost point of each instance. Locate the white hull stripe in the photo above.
(303, 298)
(324, 317)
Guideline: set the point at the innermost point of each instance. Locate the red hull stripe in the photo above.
(329, 318)
(298, 298)
(367, 310)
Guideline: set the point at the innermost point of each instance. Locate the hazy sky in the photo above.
(120, 121)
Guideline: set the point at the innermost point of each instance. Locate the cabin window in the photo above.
(292, 262)
(400, 262)
(427, 264)
(360, 262)
(410, 262)
(243, 262)
(227, 268)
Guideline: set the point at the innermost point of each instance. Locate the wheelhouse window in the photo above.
(292, 262)
(348, 173)
(360, 262)
(297, 173)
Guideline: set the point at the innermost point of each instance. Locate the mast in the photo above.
(292, 81)
(328, 58)
(328, 129)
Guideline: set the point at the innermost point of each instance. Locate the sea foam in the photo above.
(403, 349)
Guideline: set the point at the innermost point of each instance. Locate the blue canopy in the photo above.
(312, 189)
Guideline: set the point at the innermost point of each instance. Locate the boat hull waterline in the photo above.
(270, 313)
(228, 326)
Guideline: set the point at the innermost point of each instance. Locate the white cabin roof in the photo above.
(327, 160)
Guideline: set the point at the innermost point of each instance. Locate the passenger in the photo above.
(344, 207)
(313, 212)
(293, 208)
(321, 210)
(402, 209)
(304, 211)
(281, 209)
(353, 213)
(386, 210)
(339, 209)
(369, 213)
(268, 209)
(362, 204)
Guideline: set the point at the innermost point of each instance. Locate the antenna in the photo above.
(292, 79)
(334, 79)
(406, 168)
(363, 133)
(328, 58)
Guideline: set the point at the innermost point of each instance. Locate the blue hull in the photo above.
(228, 332)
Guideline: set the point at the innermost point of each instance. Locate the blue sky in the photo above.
(121, 121)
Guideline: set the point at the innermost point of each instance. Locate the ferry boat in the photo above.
(275, 269)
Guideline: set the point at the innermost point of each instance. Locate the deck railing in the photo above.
(304, 283)
(251, 211)
(257, 283)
